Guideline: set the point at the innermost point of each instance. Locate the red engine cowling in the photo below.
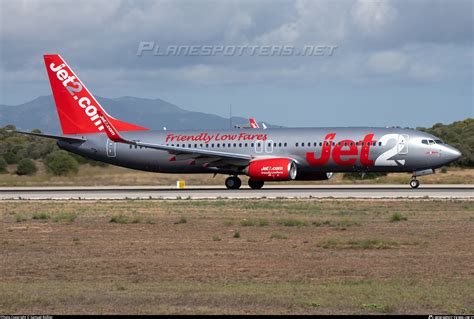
(272, 169)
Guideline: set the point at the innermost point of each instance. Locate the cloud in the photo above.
(373, 17)
(420, 41)
(387, 62)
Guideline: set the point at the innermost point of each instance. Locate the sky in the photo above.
(402, 63)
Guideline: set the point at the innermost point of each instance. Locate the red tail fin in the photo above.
(79, 112)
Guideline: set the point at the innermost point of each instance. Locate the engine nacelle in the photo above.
(272, 169)
(317, 176)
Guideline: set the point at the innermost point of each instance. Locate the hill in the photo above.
(40, 113)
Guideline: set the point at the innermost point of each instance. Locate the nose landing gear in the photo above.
(233, 182)
(414, 183)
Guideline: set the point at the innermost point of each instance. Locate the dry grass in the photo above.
(113, 175)
(348, 258)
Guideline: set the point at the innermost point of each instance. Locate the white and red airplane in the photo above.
(273, 154)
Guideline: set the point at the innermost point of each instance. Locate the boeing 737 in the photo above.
(273, 154)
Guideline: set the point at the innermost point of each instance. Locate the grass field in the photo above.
(112, 175)
(237, 257)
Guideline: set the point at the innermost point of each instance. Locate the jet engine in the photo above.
(272, 169)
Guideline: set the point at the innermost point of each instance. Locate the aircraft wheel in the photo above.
(414, 183)
(255, 184)
(233, 182)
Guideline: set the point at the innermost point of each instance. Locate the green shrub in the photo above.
(65, 218)
(247, 222)
(119, 219)
(278, 235)
(182, 220)
(236, 234)
(20, 218)
(3, 165)
(42, 216)
(292, 222)
(397, 217)
(61, 163)
(26, 167)
(137, 220)
(262, 222)
(11, 158)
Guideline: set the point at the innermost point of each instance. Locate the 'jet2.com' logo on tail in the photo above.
(75, 89)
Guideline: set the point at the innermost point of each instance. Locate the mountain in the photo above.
(152, 113)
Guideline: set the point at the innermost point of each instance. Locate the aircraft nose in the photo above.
(452, 154)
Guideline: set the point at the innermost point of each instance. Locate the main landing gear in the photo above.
(233, 182)
(414, 183)
(255, 184)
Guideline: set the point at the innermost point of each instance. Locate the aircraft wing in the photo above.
(192, 151)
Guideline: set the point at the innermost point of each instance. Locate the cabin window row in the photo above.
(228, 145)
(315, 144)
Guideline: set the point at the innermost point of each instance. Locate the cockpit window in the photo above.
(424, 142)
(439, 142)
(431, 142)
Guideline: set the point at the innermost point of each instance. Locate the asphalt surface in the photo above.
(268, 191)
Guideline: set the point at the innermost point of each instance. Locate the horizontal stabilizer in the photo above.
(70, 139)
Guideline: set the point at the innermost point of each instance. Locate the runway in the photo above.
(214, 192)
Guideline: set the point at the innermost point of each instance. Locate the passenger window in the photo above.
(195, 145)
(302, 144)
(274, 144)
(296, 144)
(279, 144)
(235, 144)
(212, 145)
(374, 143)
(251, 145)
(228, 145)
(246, 145)
(285, 144)
(218, 145)
(240, 144)
(380, 143)
(207, 145)
(223, 144)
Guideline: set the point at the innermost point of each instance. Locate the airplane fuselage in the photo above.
(338, 149)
